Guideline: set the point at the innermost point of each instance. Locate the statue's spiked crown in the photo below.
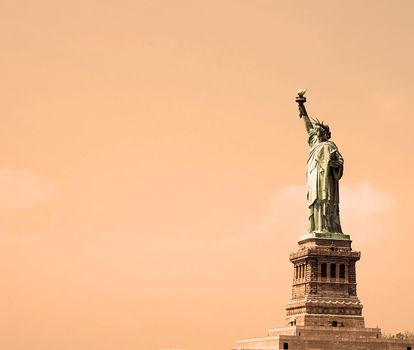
(324, 127)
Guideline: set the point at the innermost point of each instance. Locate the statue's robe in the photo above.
(324, 169)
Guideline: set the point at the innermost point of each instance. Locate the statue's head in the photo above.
(322, 131)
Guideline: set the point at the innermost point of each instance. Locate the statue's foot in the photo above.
(321, 231)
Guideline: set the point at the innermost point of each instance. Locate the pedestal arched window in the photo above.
(323, 270)
(342, 271)
(333, 270)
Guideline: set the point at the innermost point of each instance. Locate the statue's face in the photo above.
(321, 134)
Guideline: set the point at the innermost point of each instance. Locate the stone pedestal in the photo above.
(323, 338)
(324, 312)
(324, 283)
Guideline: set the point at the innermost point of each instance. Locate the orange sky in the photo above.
(153, 165)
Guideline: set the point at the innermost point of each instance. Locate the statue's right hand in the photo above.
(300, 112)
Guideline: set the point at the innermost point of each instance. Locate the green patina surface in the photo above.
(325, 235)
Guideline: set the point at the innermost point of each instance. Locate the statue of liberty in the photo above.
(324, 169)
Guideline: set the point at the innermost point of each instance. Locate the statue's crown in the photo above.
(319, 124)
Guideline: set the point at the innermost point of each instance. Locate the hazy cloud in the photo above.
(21, 190)
(363, 208)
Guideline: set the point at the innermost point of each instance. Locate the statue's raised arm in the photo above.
(324, 169)
(301, 99)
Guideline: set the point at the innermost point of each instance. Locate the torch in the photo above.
(301, 99)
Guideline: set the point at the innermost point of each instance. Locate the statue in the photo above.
(324, 169)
